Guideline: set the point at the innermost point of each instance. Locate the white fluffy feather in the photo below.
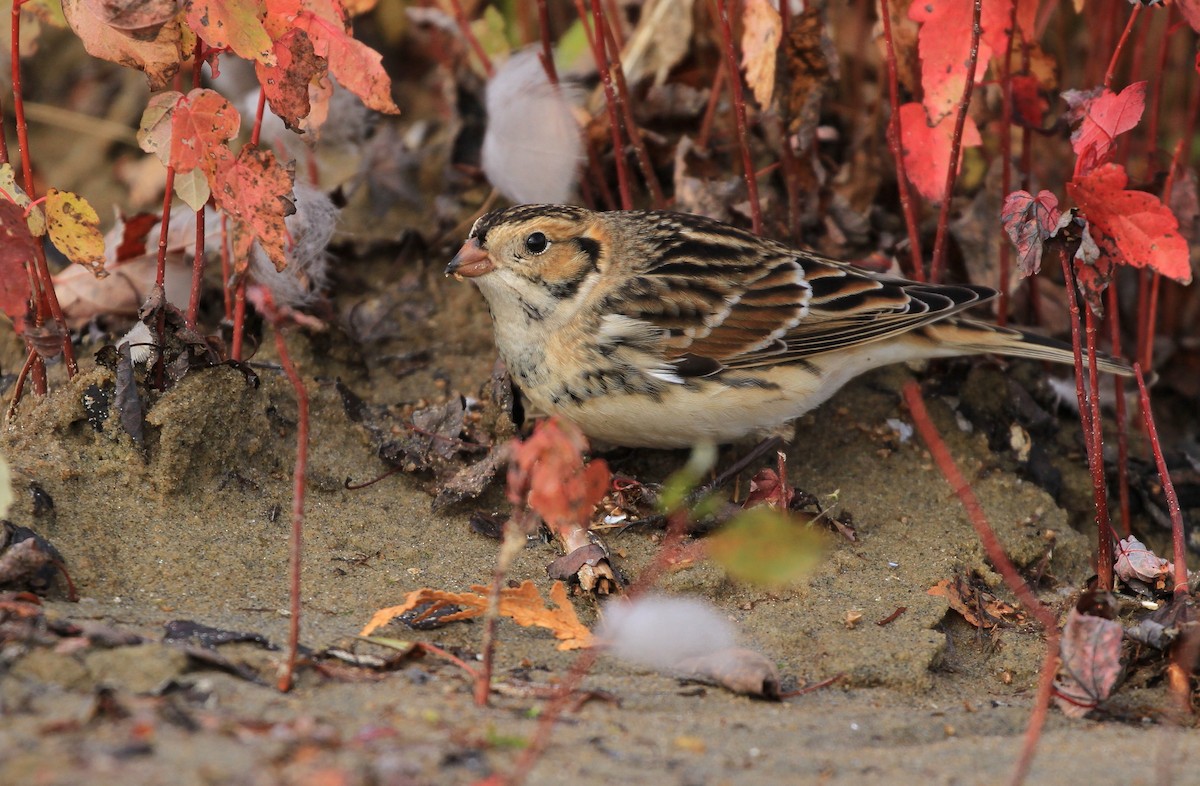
(310, 228)
(659, 631)
(533, 146)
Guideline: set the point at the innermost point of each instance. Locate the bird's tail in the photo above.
(970, 336)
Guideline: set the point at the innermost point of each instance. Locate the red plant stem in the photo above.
(1041, 705)
(597, 175)
(19, 386)
(1008, 571)
(198, 261)
(226, 268)
(260, 110)
(1156, 81)
(943, 227)
(1006, 159)
(787, 157)
(464, 25)
(600, 55)
(160, 276)
(1114, 324)
(966, 495)
(44, 296)
(287, 677)
(710, 111)
(916, 266)
(1181, 586)
(739, 114)
(1116, 55)
(658, 201)
(676, 524)
(239, 317)
(1104, 543)
(547, 55)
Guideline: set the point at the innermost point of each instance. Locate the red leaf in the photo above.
(944, 44)
(200, 125)
(357, 67)
(134, 231)
(1030, 221)
(286, 83)
(1105, 116)
(1029, 105)
(770, 487)
(1132, 227)
(1091, 662)
(1191, 14)
(926, 150)
(17, 249)
(256, 190)
(548, 472)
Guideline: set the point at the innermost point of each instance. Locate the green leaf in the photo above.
(766, 546)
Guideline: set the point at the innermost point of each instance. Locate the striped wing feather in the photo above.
(743, 301)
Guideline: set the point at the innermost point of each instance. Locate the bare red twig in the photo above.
(1006, 159)
(596, 42)
(916, 266)
(1180, 549)
(287, 676)
(1116, 55)
(547, 53)
(464, 26)
(1000, 561)
(960, 121)
(658, 201)
(198, 260)
(710, 111)
(44, 295)
(1114, 324)
(1095, 438)
(739, 114)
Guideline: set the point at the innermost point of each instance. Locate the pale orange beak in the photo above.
(470, 261)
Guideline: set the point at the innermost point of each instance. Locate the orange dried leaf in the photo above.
(358, 68)
(287, 82)
(232, 24)
(75, 230)
(256, 190)
(158, 56)
(201, 123)
(548, 473)
(523, 604)
(762, 29)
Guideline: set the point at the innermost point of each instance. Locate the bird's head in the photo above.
(537, 258)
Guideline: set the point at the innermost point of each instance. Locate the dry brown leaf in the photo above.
(980, 608)
(523, 605)
(762, 29)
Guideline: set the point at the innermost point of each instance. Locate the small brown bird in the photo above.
(660, 329)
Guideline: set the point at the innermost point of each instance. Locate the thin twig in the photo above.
(658, 201)
(596, 42)
(1006, 159)
(916, 265)
(943, 227)
(739, 114)
(1095, 438)
(1116, 55)
(287, 677)
(464, 26)
(1181, 583)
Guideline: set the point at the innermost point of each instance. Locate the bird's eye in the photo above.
(537, 243)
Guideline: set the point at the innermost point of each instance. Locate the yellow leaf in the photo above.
(11, 191)
(75, 230)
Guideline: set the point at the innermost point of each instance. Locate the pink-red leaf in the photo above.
(944, 44)
(926, 149)
(357, 67)
(1102, 118)
(256, 190)
(548, 472)
(200, 125)
(1132, 227)
(286, 83)
(17, 250)
(1091, 662)
(1030, 221)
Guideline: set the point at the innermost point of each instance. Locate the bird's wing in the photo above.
(718, 297)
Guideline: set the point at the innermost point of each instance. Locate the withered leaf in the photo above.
(1091, 663)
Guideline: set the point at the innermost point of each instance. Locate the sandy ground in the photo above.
(195, 527)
